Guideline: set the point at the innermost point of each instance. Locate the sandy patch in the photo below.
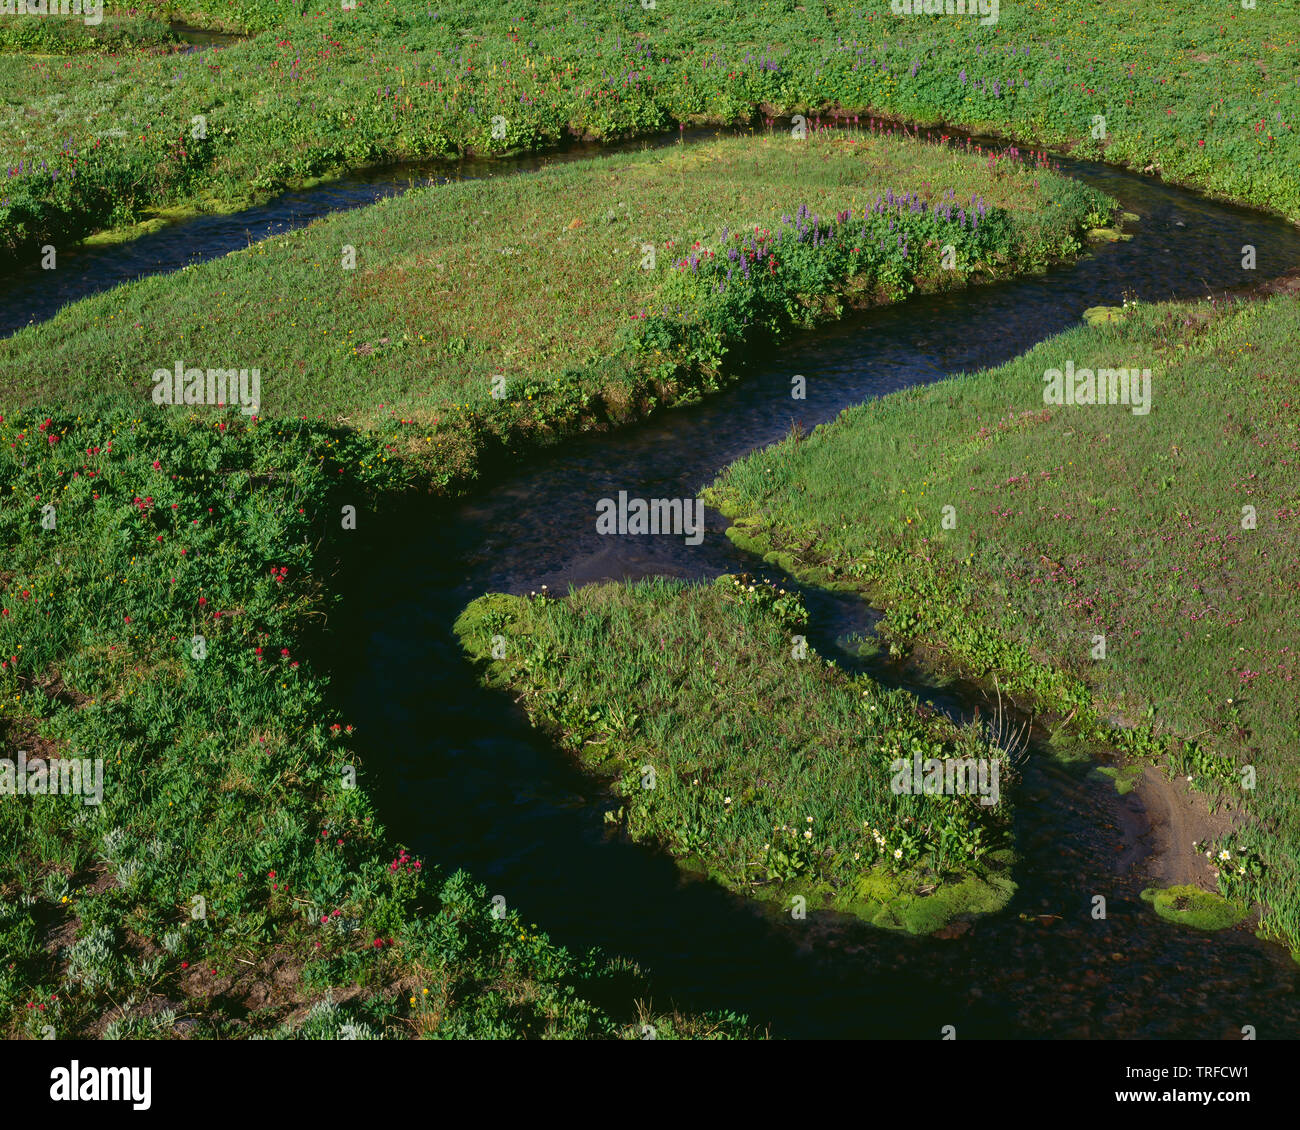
(1178, 818)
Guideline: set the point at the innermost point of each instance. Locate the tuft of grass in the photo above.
(1125, 779)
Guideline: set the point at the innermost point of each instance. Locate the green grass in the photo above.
(542, 280)
(1068, 523)
(111, 33)
(222, 15)
(742, 752)
(235, 875)
(1201, 91)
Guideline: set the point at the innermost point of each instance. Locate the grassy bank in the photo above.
(1202, 91)
(492, 315)
(745, 755)
(66, 36)
(1015, 536)
(233, 879)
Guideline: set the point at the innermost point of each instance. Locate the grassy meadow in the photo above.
(1011, 536)
(493, 315)
(1202, 92)
(743, 754)
(233, 876)
(166, 571)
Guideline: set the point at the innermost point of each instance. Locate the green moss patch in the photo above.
(1103, 315)
(1191, 906)
(1125, 779)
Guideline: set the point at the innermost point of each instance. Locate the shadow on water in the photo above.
(467, 782)
(463, 779)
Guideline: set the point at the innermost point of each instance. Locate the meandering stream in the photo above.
(467, 783)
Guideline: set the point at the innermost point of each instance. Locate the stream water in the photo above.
(200, 38)
(462, 778)
(467, 782)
